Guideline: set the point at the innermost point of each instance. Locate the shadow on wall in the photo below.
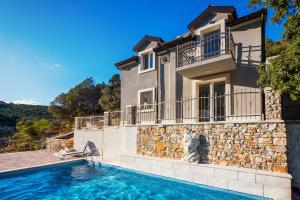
(248, 55)
(203, 150)
(293, 148)
(196, 148)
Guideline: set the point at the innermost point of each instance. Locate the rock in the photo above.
(279, 141)
(280, 169)
(272, 127)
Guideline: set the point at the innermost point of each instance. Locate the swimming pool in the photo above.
(78, 181)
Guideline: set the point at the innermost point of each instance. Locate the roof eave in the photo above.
(146, 38)
(246, 18)
(124, 63)
(173, 43)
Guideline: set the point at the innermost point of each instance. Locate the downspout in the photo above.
(263, 36)
(157, 87)
(263, 57)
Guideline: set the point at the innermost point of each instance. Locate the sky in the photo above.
(49, 46)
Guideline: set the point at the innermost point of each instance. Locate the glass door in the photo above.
(204, 103)
(219, 101)
(212, 102)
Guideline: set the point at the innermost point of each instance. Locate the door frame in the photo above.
(210, 80)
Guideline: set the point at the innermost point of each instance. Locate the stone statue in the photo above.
(191, 144)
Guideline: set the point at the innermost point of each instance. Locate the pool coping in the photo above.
(256, 182)
(114, 165)
(40, 166)
(182, 181)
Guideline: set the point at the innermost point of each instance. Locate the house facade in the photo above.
(191, 109)
(207, 74)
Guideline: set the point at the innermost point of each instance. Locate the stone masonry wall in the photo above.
(273, 109)
(55, 145)
(250, 145)
(160, 142)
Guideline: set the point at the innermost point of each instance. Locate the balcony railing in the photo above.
(204, 48)
(89, 123)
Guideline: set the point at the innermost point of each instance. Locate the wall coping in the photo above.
(239, 169)
(216, 123)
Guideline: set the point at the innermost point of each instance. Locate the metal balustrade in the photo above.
(205, 47)
(237, 106)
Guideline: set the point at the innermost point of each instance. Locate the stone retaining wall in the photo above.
(250, 145)
(273, 109)
(55, 145)
(160, 141)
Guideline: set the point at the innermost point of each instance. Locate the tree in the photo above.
(283, 71)
(82, 100)
(274, 48)
(110, 99)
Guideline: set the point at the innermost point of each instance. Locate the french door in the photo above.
(212, 102)
(211, 44)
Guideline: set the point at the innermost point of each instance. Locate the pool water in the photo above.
(78, 181)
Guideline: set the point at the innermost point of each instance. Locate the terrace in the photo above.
(238, 106)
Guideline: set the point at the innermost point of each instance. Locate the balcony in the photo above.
(211, 54)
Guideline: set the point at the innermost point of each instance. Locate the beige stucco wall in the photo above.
(131, 82)
(173, 86)
(111, 142)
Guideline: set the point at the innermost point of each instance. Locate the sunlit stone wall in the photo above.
(251, 145)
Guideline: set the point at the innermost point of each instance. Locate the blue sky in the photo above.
(48, 46)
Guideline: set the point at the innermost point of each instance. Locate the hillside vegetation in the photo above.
(35, 123)
(10, 113)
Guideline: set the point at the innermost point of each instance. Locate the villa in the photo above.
(207, 74)
(191, 109)
(193, 122)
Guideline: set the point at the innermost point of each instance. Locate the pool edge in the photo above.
(35, 167)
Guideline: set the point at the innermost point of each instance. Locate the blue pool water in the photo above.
(78, 181)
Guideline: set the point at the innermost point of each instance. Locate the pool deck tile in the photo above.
(26, 159)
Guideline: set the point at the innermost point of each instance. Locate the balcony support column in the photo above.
(107, 121)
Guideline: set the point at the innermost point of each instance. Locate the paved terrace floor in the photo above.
(25, 159)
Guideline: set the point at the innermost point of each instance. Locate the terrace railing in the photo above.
(90, 123)
(237, 106)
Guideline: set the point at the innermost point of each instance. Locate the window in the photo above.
(147, 62)
(211, 44)
(146, 99)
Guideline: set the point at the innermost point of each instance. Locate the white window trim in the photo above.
(153, 98)
(212, 27)
(219, 25)
(210, 81)
(141, 54)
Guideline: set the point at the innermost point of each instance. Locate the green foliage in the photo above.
(110, 99)
(282, 8)
(31, 134)
(10, 113)
(283, 72)
(82, 100)
(292, 26)
(273, 48)
(35, 123)
(87, 98)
